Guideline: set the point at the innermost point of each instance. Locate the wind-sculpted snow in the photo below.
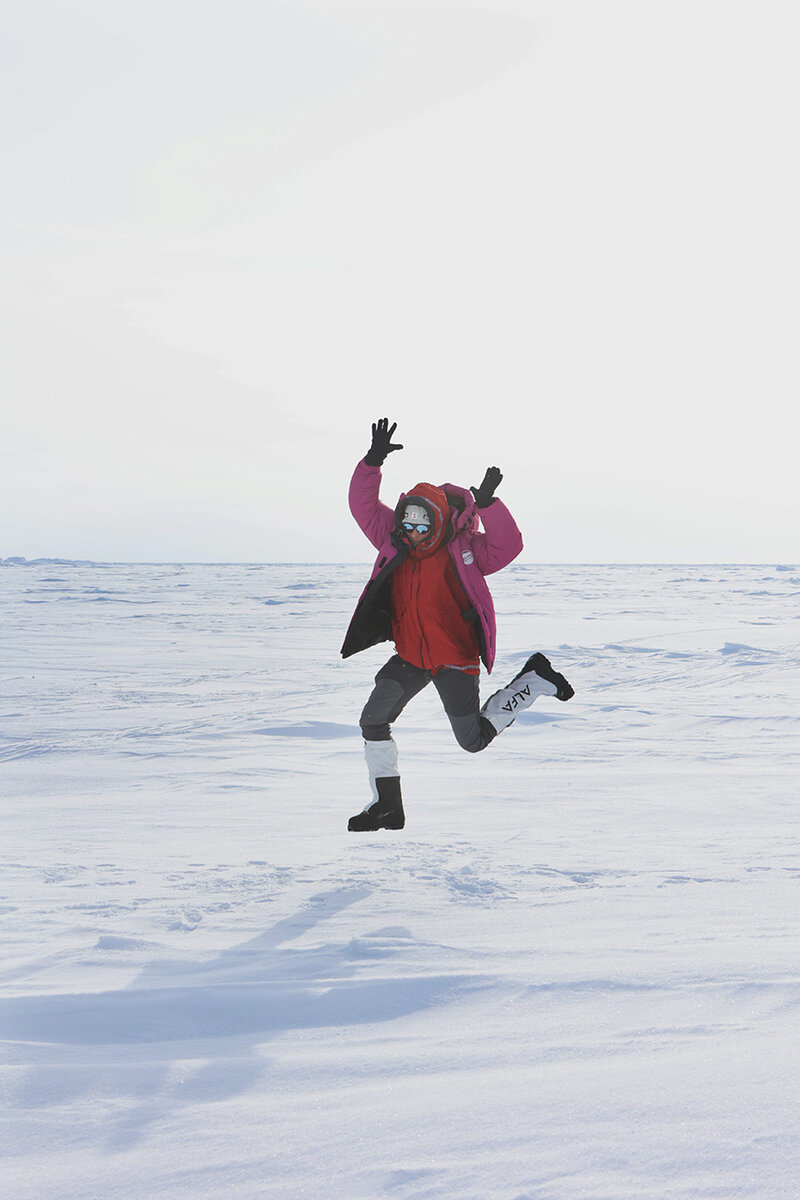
(573, 974)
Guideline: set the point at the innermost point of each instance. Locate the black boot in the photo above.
(544, 669)
(385, 813)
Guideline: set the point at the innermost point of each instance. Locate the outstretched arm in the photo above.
(375, 519)
(502, 541)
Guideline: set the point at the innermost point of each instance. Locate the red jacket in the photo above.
(429, 628)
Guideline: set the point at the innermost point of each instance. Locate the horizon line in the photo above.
(22, 561)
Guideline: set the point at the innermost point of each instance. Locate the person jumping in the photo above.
(428, 594)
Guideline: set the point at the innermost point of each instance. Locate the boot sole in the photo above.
(355, 826)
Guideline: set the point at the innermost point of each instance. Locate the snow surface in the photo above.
(576, 972)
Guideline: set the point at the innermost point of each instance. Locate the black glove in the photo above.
(484, 495)
(381, 443)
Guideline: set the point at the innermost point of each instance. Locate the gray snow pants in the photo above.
(398, 682)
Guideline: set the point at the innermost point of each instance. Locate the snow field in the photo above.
(573, 974)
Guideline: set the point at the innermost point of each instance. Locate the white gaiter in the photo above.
(381, 763)
(501, 708)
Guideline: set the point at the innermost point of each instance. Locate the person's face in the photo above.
(416, 533)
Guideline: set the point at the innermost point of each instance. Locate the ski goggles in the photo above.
(409, 527)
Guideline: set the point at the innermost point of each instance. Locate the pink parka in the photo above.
(474, 556)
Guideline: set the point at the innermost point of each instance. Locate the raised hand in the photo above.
(484, 495)
(382, 444)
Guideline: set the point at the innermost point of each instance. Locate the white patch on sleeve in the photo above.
(468, 557)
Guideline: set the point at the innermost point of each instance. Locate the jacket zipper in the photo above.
(417, 583)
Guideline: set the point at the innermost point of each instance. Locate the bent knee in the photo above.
(473, 740)
(472, 744)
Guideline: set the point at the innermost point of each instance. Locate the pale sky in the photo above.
(556, 236)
